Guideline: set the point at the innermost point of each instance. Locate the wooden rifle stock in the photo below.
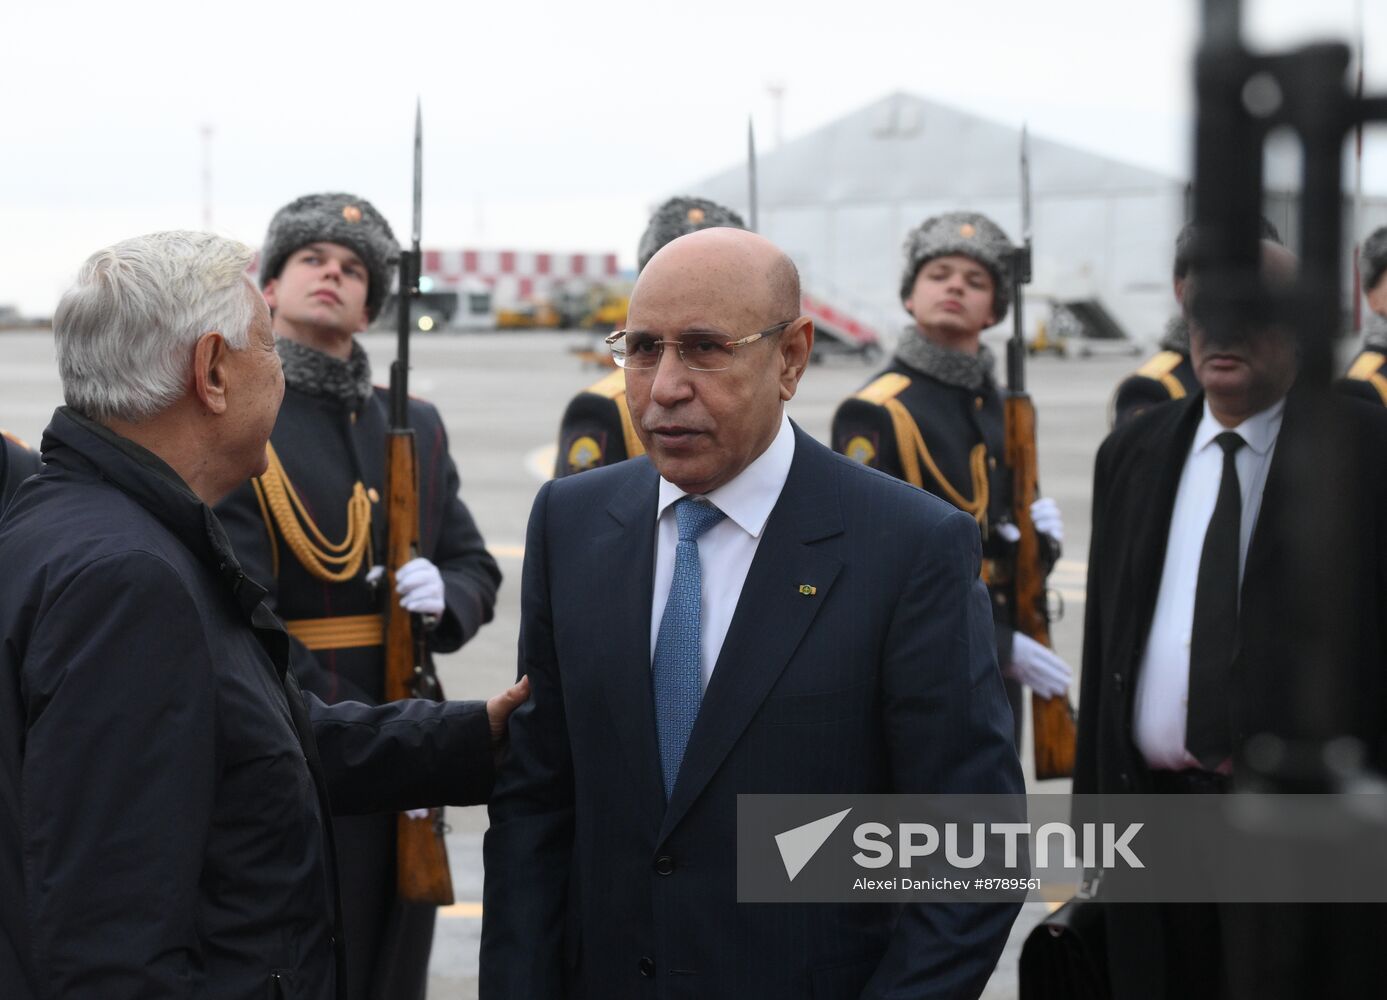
(1052, 719)
(422, 874)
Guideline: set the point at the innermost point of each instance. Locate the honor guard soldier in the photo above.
(312, 530)
(1367, 376)
(596, 428)
(1168, 374)
(17, 463)
(934, 417)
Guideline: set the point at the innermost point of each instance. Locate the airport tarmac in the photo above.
(501, 396)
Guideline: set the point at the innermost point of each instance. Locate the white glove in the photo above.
(416, 813)
(420, 587)
(1045, 515)
(1037, 667)
(374, 574)
(1007, 532)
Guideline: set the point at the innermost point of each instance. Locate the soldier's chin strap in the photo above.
(333, 562)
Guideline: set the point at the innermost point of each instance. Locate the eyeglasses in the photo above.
(700, 352)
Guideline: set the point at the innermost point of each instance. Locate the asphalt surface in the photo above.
(501, 396)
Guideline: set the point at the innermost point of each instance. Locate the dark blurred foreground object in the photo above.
(1065, 956)
(1306, 695)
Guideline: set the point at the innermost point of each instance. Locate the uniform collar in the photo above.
(317, 374)
(966, 371)
(749, 498)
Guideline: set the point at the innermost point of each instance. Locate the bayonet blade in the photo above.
(1025, 185)
(418, 172)
(752, 193)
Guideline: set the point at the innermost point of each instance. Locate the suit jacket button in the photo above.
(1117, 682)
(664, 865)
(648, 968)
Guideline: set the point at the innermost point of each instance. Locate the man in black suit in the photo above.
(1195, 611)
(740, 611)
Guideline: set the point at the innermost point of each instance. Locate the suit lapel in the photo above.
(624, 560)
(771, 618)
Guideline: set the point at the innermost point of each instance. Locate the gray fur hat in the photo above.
(969, 234)
(1373, 262)
(333, 217)
(679, 217)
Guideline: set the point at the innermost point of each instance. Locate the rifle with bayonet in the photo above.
(422, 874)
(1052, 719)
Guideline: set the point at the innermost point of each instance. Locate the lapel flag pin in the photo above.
(807, 590)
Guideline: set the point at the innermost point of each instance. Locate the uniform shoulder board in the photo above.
(1161, 368)
(884, 387)
(15, 438)
(1161, 364)
(1366, 365)
(609, 386)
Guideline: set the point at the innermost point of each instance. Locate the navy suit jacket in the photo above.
(885, 680)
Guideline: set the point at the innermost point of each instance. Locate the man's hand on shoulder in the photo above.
(499, 708)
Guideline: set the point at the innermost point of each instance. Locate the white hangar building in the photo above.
(840, 200)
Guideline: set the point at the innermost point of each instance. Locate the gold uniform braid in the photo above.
(913, 450)
(332, 562)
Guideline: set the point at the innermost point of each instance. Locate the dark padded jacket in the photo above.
(164, 785)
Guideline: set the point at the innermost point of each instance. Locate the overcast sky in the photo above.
(547, 125)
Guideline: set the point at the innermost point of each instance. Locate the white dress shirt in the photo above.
(726, 549)
(1163, 680)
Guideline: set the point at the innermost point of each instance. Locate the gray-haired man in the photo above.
(165, 785)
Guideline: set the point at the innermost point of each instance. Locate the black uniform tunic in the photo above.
(1164, 376)
(959, 456)
(327, 442)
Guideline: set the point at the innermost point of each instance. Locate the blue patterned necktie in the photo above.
(678, 663)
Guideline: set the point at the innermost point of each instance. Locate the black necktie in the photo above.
(1214, 637)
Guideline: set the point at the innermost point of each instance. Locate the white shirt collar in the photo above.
(1258, 431)
(747, 499)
